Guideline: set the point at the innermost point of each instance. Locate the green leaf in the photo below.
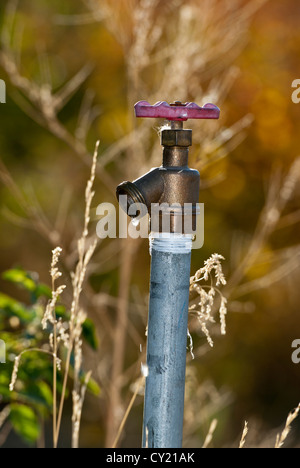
(12, 307)
(42, 290)
(20, 277)
(89, 333)
(38, 393)
(5, 381)
(5, 393)
(25, 280)
(93, 387)
(61, 312)
(24, 422)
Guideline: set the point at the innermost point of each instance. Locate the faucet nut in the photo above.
(176, 137)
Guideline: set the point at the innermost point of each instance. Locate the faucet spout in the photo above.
(143, 191)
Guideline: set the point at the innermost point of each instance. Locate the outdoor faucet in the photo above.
(174, 183)
(175, 188)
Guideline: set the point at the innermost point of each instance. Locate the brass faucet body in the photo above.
(173, 183)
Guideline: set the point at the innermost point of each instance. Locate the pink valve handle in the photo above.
(177, 111)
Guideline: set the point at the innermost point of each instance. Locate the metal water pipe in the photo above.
(171, 186)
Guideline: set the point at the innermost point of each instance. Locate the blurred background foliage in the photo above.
(241, 55)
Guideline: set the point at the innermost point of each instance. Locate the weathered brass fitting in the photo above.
(171, 186)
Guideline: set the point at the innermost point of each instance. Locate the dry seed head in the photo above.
(280, 440)
(49, 315)
(62, 334)
(205, 307)
(210, 434)
(223, 313)
(54, 272)
(244, 435)
(15, 373)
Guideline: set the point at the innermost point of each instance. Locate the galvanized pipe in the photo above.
(167, 341)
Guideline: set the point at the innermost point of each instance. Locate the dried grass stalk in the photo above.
(244, 435)
(281, 438)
